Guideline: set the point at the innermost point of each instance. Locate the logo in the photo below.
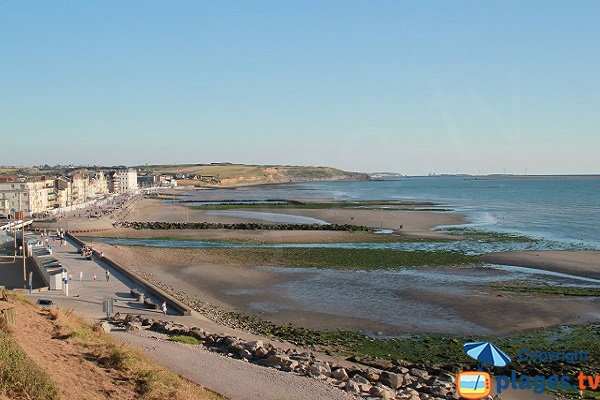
(473, 384)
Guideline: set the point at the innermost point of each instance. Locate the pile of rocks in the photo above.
(391, 381)
(242, 226)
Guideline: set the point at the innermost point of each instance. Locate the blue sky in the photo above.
(405, 86)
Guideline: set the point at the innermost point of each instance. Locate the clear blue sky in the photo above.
(405, 86)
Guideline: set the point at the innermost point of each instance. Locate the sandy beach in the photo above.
(418, 223)
(238, 284)
(582, 263)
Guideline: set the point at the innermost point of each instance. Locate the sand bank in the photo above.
(419, 223)
(582, 263)
(416, 307)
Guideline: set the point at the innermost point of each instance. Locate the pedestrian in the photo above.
(70, 277)
(80, 276)
(107, 275)
(94, 277)
(164, 308)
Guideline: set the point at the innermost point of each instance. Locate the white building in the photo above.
(29, 196)
(124, 181)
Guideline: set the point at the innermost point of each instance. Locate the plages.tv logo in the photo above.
(473, 384)
(478, 384)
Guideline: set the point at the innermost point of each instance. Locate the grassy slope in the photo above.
(20, 378)
(240, 173)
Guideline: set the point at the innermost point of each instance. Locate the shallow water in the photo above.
(268, 217)
(565, 209)
(386, 297)
(471, 247)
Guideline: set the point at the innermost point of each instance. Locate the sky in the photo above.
(403, 86)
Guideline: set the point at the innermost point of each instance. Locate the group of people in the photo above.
(94, 276)
(87, 252)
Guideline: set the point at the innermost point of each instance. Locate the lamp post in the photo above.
(13, 228)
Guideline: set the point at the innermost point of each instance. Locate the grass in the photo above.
(184, 339)
(551, 290)
(151, 382)
(348, 259)
(21, 378)
(256, 173)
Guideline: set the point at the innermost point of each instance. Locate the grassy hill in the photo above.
(240, 174)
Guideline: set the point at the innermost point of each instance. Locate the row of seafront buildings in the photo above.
(45, 195)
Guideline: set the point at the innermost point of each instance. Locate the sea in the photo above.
(565, 209)
(563, 212)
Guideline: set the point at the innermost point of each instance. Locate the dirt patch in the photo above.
(68, 364)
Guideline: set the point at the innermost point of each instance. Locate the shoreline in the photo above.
(414, 223)
(243, 185)
(585, 263)
(238, 284)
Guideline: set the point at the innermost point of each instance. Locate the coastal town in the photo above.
(300, 200)
(45, 196)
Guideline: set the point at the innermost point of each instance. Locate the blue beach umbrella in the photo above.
(487, 353)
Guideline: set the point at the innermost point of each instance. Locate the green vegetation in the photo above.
(490, 237)
(438, 349)
(184, 339)
(546, 289)
(232, 174)
(391, 205)
(20, 378)
(338, 258)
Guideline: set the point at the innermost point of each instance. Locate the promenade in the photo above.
(86, 294)
(195, 363)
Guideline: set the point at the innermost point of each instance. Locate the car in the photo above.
(45, 302)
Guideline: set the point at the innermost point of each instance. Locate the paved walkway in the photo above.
(86, 295)
(236, 379)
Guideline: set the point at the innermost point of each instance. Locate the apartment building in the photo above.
(123, 181)
(30, 196)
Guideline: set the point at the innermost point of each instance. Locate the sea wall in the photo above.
(242, 226)
(155, 291)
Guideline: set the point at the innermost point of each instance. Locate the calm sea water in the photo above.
(562, 209)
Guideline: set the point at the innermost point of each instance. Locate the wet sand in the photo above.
(417, 307)
(581, 263)
(419, 223)
(251, 236)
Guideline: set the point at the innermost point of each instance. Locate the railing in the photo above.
(15, 225)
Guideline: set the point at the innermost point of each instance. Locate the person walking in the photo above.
(107, 275)
(94, 277)
(164, 308)
(80, 276)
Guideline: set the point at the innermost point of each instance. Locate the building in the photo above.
(63, 188)
(123, 181)
(146, 181)
(22, 195)
(79, 188)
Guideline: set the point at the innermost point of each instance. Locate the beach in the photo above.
(233, 282)
(416, 223)
(295, 286)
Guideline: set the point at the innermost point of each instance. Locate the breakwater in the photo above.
(242, 226)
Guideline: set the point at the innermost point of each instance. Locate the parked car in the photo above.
(45, 302)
